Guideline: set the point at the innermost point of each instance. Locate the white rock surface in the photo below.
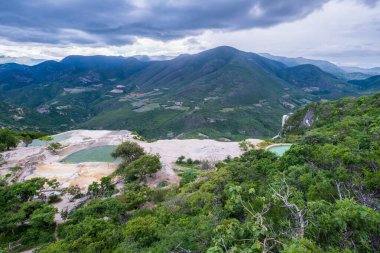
(39, 162)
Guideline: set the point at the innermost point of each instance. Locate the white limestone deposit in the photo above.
(40, 162)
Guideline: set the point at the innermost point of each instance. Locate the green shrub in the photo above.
(54, 199)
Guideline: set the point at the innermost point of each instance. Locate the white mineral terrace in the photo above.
(40, 162)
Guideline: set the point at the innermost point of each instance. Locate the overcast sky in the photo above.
(346, 32)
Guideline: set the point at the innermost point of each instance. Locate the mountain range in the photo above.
(219, 93)
(347, 73)
(20, 60)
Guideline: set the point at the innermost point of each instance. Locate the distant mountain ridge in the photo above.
(369, 71)
(347, 73)
(218, 93)
(292, 62)
(372, 83)
(20, 60)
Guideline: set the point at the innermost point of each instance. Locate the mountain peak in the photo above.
(223, 49)
(96, 61)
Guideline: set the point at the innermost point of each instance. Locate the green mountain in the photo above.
(219, 93)
(311, 77)
(372, 83)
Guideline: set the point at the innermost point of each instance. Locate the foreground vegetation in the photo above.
(321, 196)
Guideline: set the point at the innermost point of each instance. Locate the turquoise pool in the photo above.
(56, 138)
(95, 154)
(279, 149)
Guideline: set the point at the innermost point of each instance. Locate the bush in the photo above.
(206, 165)
(180, 160)
(162, 184)
(54, 199)
(188, 176)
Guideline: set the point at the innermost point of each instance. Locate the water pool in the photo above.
(56, 138)
(95, 154)
(279, 149)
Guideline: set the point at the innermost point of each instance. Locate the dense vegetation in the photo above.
(321, 196)
(25, 220)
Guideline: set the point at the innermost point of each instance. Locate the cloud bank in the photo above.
(118, 22)
(346, 32)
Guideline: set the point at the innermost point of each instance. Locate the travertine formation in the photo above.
(40, 162)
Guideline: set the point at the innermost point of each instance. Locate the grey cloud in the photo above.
(364, 57)
(353, 53)
(117, 22)
(371, 3)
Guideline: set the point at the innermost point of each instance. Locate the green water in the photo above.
(280, 150)
(95, 154)
(56, 138)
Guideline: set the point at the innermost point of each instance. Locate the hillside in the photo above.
(224, 90)
(319, 82)
(218, 93)
(22, 118)
(372, 83)
(348, 115)
(322, 195)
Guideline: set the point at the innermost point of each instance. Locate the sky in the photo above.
(345, 32)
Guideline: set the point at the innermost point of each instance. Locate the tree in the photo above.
(180, 160)
(43, 217)
(8, 139)
(73, 191)
(128, 151)
(93, 189)
(297, 213)
(104, 189)
(142, 230)
(145, 165)
(2, 162)
(54, 147)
